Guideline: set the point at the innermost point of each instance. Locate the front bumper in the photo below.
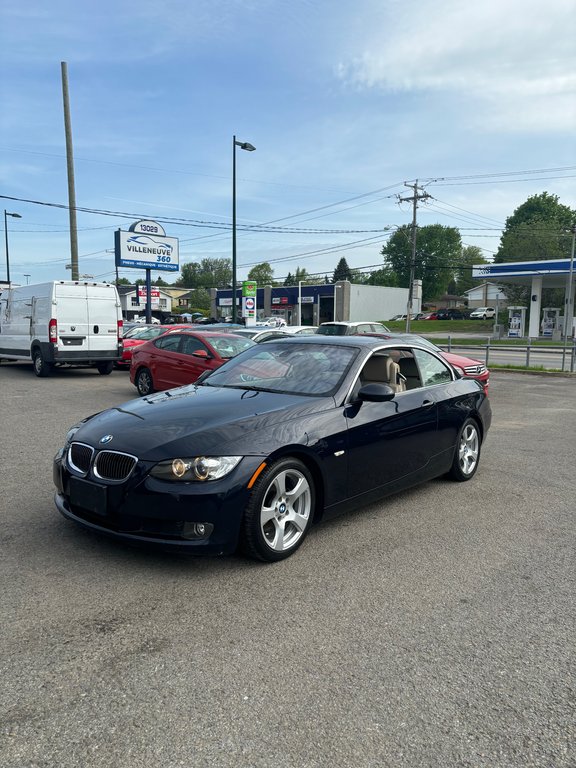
(156, 513)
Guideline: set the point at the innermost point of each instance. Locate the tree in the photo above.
(300, 276)
(209, 273)
(538, 229)
(160, 282)
(471, 254)
(263, 274)
(342, 271)
(438, 250)
(123, 281)
(385, 276)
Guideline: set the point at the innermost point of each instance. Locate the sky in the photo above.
(346, 104)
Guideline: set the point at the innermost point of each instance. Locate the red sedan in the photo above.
(180, 356)
(137, 336)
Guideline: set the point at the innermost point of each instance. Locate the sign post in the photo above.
(249, 294)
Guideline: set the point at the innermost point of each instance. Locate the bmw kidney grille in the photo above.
(106, 465)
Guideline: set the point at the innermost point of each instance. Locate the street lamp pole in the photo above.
(15, 216)
(249, 148)
(569, 303)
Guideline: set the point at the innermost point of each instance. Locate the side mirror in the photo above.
(202, 353)
(376, 393)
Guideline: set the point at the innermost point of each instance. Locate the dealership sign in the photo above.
(146, 246)
(154, 296)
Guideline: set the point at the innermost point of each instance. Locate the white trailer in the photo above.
(61, 323)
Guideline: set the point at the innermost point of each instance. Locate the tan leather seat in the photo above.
(381, 369)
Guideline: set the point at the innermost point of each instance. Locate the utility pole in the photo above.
(417, 194)
(70, 167)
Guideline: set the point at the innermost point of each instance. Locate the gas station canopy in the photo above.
(554, 273)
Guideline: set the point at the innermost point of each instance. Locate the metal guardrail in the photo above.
(566, 353)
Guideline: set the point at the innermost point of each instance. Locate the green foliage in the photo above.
(471, 254)
(342, 271)
(538, 229)
(438, 251)
(208, 273)
(385, 276)
(199, 299)
(263, 274)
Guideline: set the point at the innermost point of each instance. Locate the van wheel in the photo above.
(105, 368)
(41, 367)
(144, 383)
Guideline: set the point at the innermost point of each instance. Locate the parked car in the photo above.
(138, 335)
(399, 317)
(450, 314)
(282, 436)
(259, 334)
(467, 367)
(273, 322)
(268, 334)
(484, 313)
(180, 356)
(348, 328)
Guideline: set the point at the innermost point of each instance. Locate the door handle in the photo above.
(427, 403)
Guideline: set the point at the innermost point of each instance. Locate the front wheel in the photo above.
(279, 512)
(144, 383)
(467, 453)
(105, 368)
(41, 367)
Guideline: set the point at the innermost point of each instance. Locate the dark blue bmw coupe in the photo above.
(280, 437)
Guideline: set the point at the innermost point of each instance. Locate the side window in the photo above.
(190, 345)
(170, 342)
(432, 370)
(364, 328)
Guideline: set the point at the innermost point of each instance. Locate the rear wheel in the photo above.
(144, 382)
(105, 368)
(467, 454)
(280, 510)
(41, 367)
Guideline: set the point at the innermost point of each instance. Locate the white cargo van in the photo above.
(61, 323)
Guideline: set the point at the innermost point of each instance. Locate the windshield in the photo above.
(287, 367)
(332, 330)
(145, 334)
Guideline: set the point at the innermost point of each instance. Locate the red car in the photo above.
(140, 335)
(467, 367)
(180, 356)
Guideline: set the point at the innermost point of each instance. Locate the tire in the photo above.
(467, 453)
(105, 368)
(279, 512)
(41, 367)
(144, 382)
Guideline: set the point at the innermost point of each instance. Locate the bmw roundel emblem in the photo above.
(106, 439)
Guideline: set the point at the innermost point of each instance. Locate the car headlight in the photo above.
(199, 468)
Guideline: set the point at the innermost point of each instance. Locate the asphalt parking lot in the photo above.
(435, 628)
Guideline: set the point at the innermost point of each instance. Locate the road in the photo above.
(433, 629)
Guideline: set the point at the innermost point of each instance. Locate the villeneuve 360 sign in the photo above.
(146, 246)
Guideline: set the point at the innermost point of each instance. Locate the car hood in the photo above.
(459, 360)
(194, 420)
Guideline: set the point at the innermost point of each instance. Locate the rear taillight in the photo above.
(53, 330)
(120, 330)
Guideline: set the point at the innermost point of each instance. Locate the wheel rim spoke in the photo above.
(285, 510)
(468, 450)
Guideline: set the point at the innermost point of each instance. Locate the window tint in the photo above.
(191, 344)
(170, 342)
(432, 370)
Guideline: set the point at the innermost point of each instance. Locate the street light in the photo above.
(249, 148)
(27, 278)
(15, 216)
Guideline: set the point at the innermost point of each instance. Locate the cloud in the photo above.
(514, 60)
